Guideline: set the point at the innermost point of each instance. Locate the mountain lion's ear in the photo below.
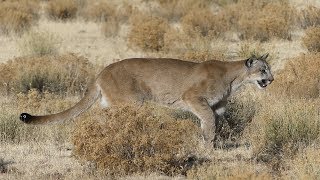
(264, 57)
(249, 61)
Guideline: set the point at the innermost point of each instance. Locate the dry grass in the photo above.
(249, 48)
(174, 10)
(99, 11)
(309, 17)
(39, 43)
(13, 131)
(178, 44)
(304, 166)
(258, 20)
(299, 78)
(275, 133)
(147, 32)
(289, 125)
(53, 73)
(229, 171)
(127, 140)
(263, 22)
(202, 22)
(110, 15)
(111, 28)
(62, 9)
(312, 39)
(18, 17)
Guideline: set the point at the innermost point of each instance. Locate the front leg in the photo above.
(200, 107)
(219, 110)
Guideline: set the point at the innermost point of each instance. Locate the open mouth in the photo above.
(263, 83)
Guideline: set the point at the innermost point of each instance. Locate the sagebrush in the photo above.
(147, 32)
(59, 74)
(127, 140)
(18, 17)
(311, 40)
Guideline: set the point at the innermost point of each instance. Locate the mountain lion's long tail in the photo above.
(85, 103)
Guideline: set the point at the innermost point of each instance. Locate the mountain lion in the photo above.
(201, 88)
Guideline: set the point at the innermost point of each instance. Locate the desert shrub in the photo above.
(39, 43)
(275, 19)
(239, 114)
(312, 39)
(54, 73)
(290, 125)
(202, 22)
(174, 10)
(99, 11)
(299, 78)
(260, 20)
(62, 9)
(109, 15)
(178, 44)
(127, 140)
(309, 17)
(18, 16)
(124, 12)
(305, 165)
(111, 27)
(147, 32)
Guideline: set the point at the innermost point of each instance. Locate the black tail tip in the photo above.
(25, 117)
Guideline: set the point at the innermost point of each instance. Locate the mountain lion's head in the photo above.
(259, 71)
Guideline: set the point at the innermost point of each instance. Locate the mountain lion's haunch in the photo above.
(201, 88)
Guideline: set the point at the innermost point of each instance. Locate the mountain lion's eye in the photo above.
(263, 71)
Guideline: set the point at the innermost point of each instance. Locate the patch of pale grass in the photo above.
(306, 165)
(238, 169)
(12, 130)
(281, 127)
(39, 43)
(179, 45)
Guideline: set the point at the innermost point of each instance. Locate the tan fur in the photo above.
(201, 88)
